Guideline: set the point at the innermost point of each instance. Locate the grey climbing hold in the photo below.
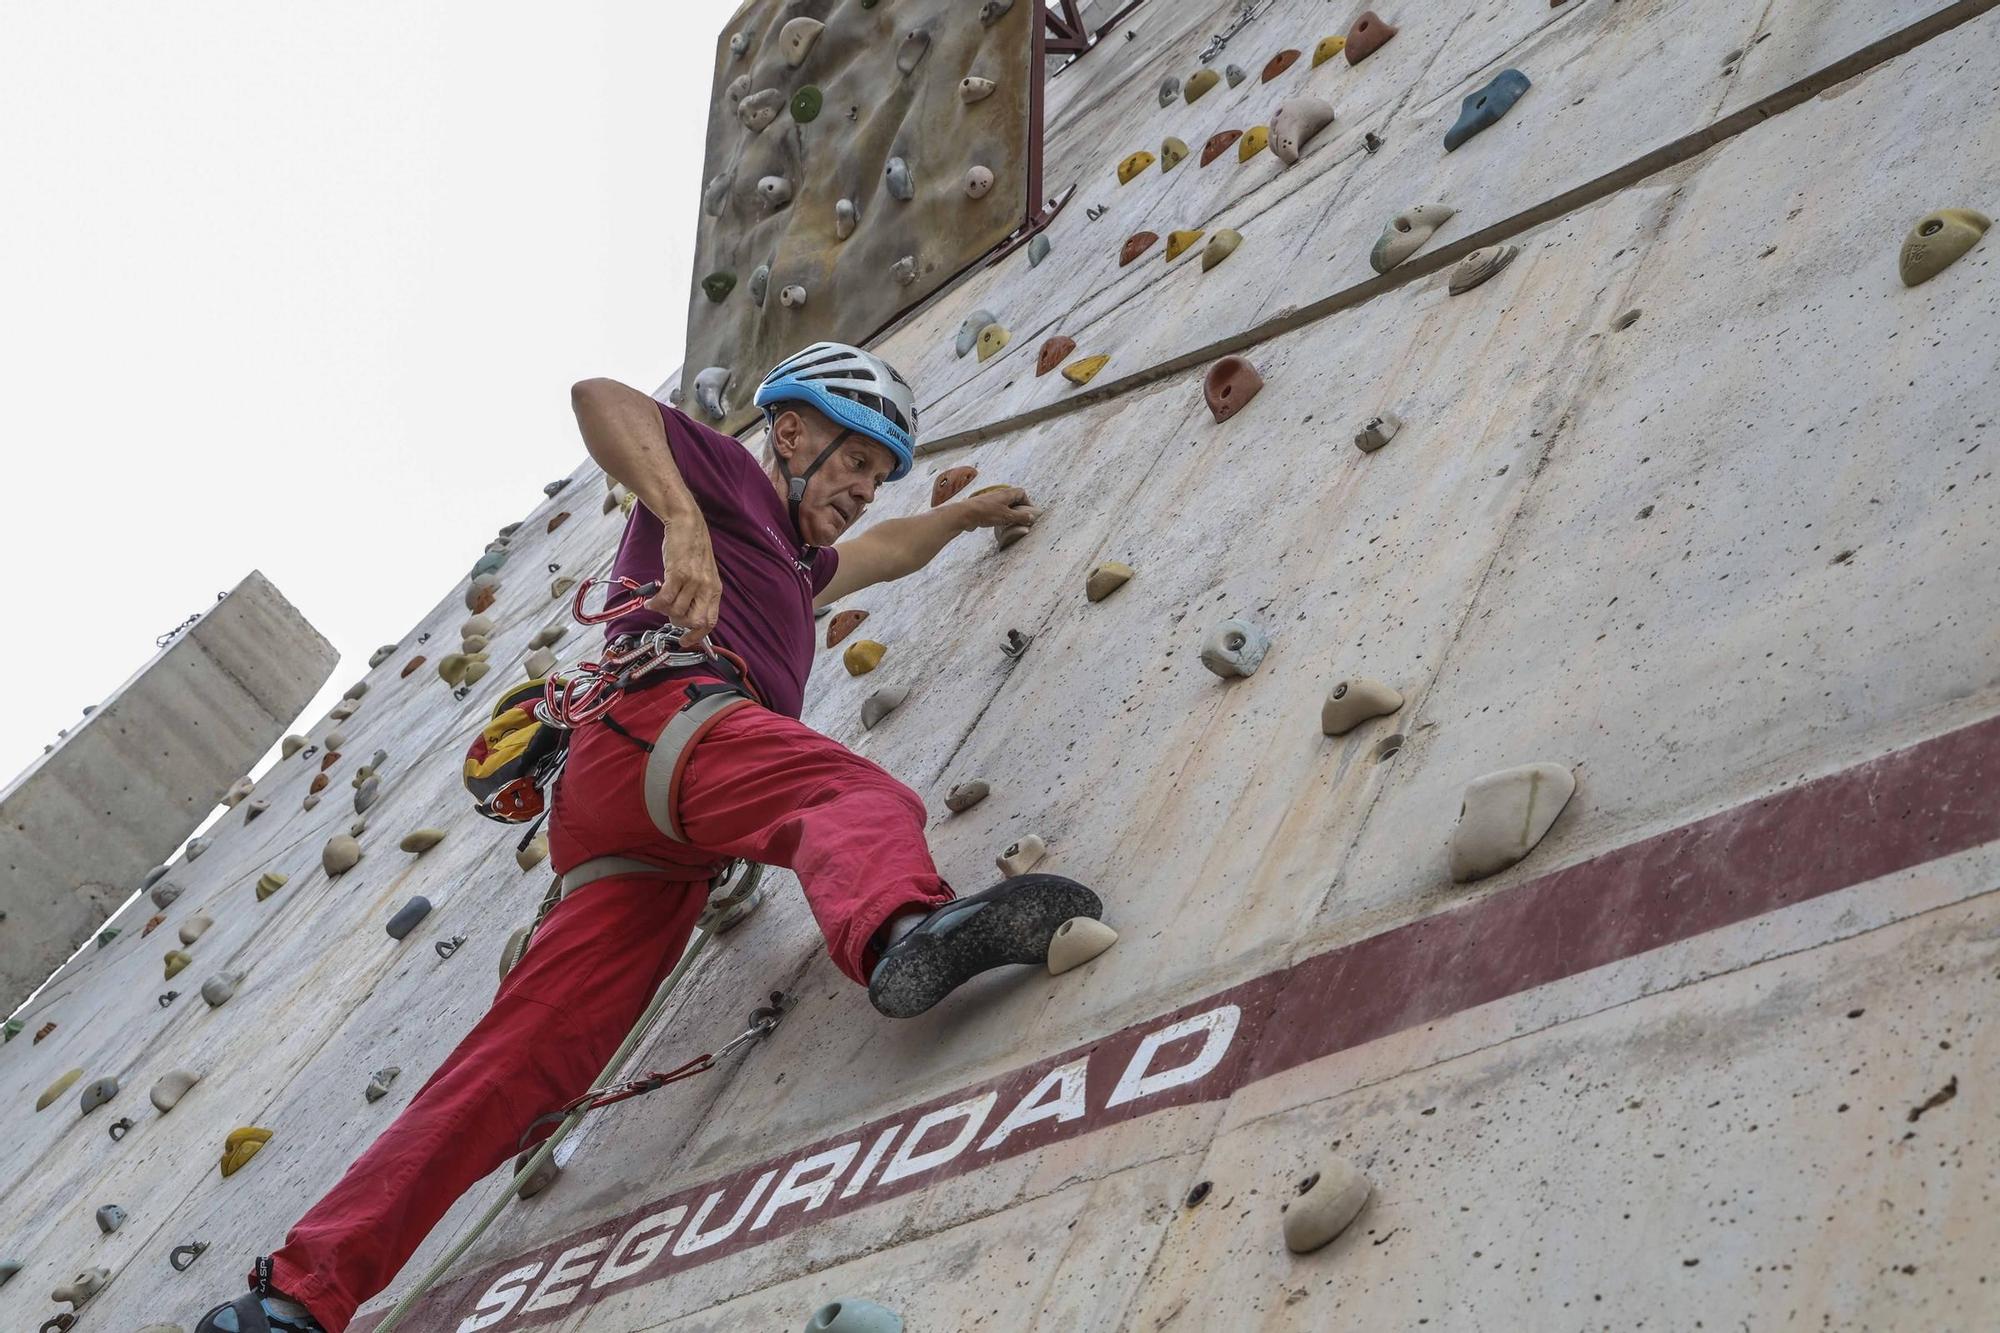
(379, 1081)
(336, 741)
(969, 329)
(882, 703)
(1016, 645)
(775, 191)
(340, 855)
(345, 709)
(854, 1316)
(79, 1289)
(974, 89)
(1296, 123)
(545, 1174)
(759, 109)
(407, 917)
(1323, 1205)
(792, 297)
(1406, 234)
(711, 390)
(1352, 702)
(904, 270)
(539, 664)
(1483, 108)
(171, 1087)
(966, 795)
(370, 787)
(548, 636)
(1234, 648)
(902, 185)
(739, 43)
(109, 1218)
(421, 840)
(1170, 90)
(916, 45)
(1022, 855)
(356, 690)
(797, 39)
(290, 746)
(195, 927)
(1378, 432)
(163, 895)
(381, 655)
(1038, 249)
(1504, 815)
(153, 876)
(846, 217)
(993, 11)
(978, 181)
(1480, 265)
(715, 195)
(96, 1093)
(255, 808)
(1234, 74)
(182, 1257)
(1077, 941)
(219, 989)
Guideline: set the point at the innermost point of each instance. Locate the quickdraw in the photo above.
(588, 693)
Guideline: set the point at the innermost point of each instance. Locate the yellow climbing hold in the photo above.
(1198, 83)
(241, 1145)
(269, 883)
(176, 960)
(1171, 153)
(863, 656)
(1178, 242)
(451, 668)
(476, 667)
(991, 339)
(57, 1089)
(1253, 142)
(1938, 240)
(1220, 246)
(1133, 165)
(1085, 370)
(1328, 48)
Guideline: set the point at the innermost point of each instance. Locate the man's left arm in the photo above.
(897, 547)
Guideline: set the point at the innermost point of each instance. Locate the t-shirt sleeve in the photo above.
(825, 561)
(713, 464)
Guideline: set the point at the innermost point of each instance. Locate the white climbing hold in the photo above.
(797, 38)
(1504, 815)
(171, 1087)
(711, 389)
(904, 270)
(1480, 265)
(536, 852)
(288, 747)
(775, 191)
(966, 795)
(1323, 1205)
(846, 217)
(759, 109)
(882, 703)
(1022, 855)
(902, 185)
(218, 989)
(1234, 648)
(972, 89)
(1406, 234)
(237, 792)
(1378, 432)
(1296, 123)
(1352, 702)
(978, 182)
(1170, 90)
(792, 297)
(195, 927)
(916, 45)
(539, 664)
(379, 1081)
(1077, 941)
(79, 1289)
(969, 330)
(335, 742)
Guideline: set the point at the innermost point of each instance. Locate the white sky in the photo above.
(303, 288)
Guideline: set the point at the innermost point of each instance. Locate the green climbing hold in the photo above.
(176, 960)
(854, 1316)
(718, 285)
(806, 104)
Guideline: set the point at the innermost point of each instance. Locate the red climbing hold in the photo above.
(950, 482)
(1218, 145)
(1232, 382)
(1138, 243)
(1368, 35)
(1053, 353)
(1279, 63)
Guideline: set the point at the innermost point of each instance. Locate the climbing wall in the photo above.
(859, 156)
(1532, 714)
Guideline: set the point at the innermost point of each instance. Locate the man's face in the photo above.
(844, 486)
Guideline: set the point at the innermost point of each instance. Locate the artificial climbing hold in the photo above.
(902, 185)
(1198, 84)
(539, 664)
(1218, 144)
(972, 89)
(97, 1092)
(1480, 265)
(1048, 358)
(1367, 35)
(171, 1087)
(109, 1218)
(1016, 645)
(220, 988)
(969, 329)
(806, 104)
(479, 626)
(548, 636)
(340, 855)
(739, 42)
(1129, 169)
(1230, 385)
(854, 1316)
(1378, 432)
(310, 803)
(1178, 242)
(269, 883)
(797, 38)
(534, 853)
(1022, 855)
(759, 109)
(775, 191)
(715, 195)
(1254, 141)
(1170, 88)
(479, 595)
(978, 181)
(381, 655)
(738, 89)
(1038, 249)
(559, 588)
(412, 665)
(1279, 63)
(421, 840)
(407, 917)
(863, 656)
(1406, 233)
(319, 781)
(843, 624)
(379, 1081)
(1504, 815)
(1234, 648)
(1138, 243)
(195, 927)
(904, 270)
(288, 747)
(993, 11)
(163, 895)
(57, 1089)
(545, 1174)
(1221, 247)
(1323, 1205)
(240, 1146)
(719, 284)
(1172, 153)
(195, 847)
(1234, 74)
(1937, 241)
(1352, 702)
(486, 585)
(153, 922)
(846, 217)
(1326, 49)
(1483, 109)
(916, 45)
(82, 1287)
(43, 1031)
(176, 960)
(510, 953)
(991, 339)
(108, 934)
(1296, 122)
(367, 789)
(1085, 370)
(882, 703)
(947, 484)
(711, 388)
(1077, 941)
(966, 795)
(1106, 579)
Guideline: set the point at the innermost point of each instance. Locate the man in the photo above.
(644, 814)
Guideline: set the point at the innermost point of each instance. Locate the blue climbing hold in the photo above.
(854, 1317)
(1483, 109)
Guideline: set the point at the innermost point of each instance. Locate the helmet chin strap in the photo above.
(795, 487)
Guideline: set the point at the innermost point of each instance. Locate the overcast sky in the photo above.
(302, 288)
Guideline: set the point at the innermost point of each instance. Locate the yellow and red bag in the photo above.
(514, 758)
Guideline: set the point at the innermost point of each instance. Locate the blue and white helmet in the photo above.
(853, 388)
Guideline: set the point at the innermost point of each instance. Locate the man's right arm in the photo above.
(625, 435)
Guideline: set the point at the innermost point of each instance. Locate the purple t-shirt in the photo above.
(768, 580)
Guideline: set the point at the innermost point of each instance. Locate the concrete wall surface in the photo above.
(82, 825)
(1694, 499)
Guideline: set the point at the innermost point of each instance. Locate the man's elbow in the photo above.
(589, 397)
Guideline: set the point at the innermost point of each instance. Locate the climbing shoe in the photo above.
(252, 1313)
(1012, 922)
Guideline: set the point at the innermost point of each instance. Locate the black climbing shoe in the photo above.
(251, 1313)
(1012, 922)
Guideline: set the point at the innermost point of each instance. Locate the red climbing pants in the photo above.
(757, 785)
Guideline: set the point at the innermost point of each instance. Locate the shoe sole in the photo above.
(1015, 930)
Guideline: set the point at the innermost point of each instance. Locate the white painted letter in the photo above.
(565, 1277)
(875, 1151)
(1217, 1028)
(1066, 1105)
(507, 1291)
(694, 1239)
(642, 1253)
(906, 1162)
(814, 1193)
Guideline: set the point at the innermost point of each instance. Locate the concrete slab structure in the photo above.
(1713, 1055)
(83, 824)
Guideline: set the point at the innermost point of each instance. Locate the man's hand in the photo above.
(1000, 507)
(690, 592)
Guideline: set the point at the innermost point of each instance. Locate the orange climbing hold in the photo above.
(1052, 354)
(949, 483)
(1138, 243)
(1279, 63)
(843, 624)
(1368, 35)
(1218, 144)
